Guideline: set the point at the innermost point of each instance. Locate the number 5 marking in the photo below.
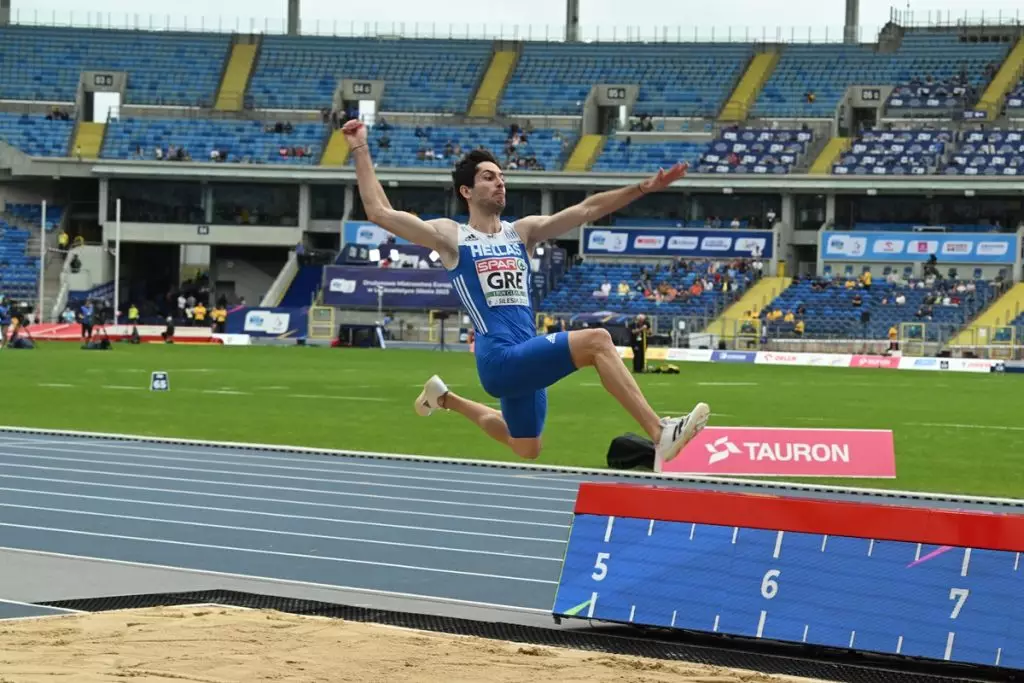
(602, 568)
(960, 595)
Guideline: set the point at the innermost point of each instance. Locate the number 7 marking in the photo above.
(960, 595)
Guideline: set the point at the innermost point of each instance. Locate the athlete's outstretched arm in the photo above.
(375, 201)
(539, 228)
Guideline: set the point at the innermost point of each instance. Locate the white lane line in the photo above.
(40, 607)
(120, 387)
(55, 385)
(204, 470)
(421, 468)
(285, 501)
(294, 468)
(281, 515)
(957, 425)
(272, 579)
(279, 532)
(275, 553)
(339, 398)
(346, 494)
(226, 392)
(728, 384)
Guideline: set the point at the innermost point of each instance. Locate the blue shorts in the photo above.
(519, 375)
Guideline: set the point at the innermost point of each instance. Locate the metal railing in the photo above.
(313, 25)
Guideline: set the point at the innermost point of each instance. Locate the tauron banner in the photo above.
(360, 286)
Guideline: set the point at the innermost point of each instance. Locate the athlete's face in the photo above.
(488, 191)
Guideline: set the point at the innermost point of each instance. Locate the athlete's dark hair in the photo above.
(465, 172)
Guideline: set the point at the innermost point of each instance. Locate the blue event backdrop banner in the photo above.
(667, 242)
(360, 286)
(758, 579)
(905, 247)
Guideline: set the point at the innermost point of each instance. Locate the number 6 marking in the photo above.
(769, 586)
(960, 595)
(601, 567)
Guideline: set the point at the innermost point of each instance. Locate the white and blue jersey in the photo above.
(492, 279)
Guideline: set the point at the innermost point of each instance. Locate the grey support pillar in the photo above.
(572, 21)
(5, 12)
(293, 17)
(852, 21)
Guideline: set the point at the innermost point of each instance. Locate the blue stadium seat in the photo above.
(19, 272)
(895, 152)
(756, 150)
(831, 313)
(41, 63)
(34, 135)
(639, 155)
(574, 293)
(241, 139)
(33, 213)
(988, 153)
(549, 147)
(675, 79)
(827, 70)
(420, 75)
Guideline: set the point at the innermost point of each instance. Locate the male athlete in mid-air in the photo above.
(488, 261)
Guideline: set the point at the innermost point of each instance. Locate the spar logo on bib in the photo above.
(503, 281)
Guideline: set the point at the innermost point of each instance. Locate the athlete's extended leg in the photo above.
(595, 347)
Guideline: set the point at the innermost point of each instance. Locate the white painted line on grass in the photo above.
(55, 385)
(955, 425)
(339, 398)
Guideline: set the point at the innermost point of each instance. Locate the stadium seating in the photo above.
(241, 139)
(422, 75)
(828, 70)
(991, 152)
(575, 291)
(756, 150)
(620, 155)
(831, 313)
(38, 63)
(895, 152)
(1015, 101)
(19, 272)
(33, 213)
(675, 79)
(34, 135)
(408, 146)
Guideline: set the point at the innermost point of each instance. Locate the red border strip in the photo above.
(802, 515)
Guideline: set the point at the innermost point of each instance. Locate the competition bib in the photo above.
(503, 280)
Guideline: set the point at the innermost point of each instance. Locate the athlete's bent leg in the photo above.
(436, 395)
(484, 417)
(595, 347)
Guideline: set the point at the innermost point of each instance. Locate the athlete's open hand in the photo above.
(664, 178)
(354, 132)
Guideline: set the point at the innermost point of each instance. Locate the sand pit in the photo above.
(227, 645)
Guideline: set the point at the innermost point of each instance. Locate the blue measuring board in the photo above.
(917, 599)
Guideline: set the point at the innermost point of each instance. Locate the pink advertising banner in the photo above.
(886, 362)
(775, 452)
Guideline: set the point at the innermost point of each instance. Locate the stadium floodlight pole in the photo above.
(117, 259)
(42, 264)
